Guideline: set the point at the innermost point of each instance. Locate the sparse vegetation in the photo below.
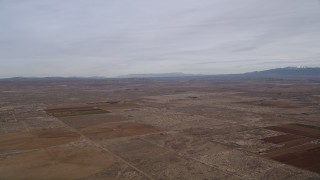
(168, 128)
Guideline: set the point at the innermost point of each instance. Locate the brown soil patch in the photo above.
(288, 140)
(83, 121)
(298, 149)
(55, 163)
(115, 130)
(290, 150)
(281, 139)
(297, 130)
(116, 106)
(66, 106)
(269, 104)
(298, 142)
(36, 139)
(74, 111)
(305, 156)
(88, 108)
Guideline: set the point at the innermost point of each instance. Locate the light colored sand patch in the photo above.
(37, 139)
(115, 130)
(55, 163)
(83, 121)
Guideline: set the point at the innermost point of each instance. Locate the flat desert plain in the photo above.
(160, 128)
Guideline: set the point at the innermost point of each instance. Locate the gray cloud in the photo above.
(107, 38)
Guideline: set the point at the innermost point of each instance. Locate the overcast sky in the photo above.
(115, 37)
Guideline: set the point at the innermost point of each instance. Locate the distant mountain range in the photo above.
(51, 78)
(302, 72)
(178, 74)
(278, 72)
(287, 72)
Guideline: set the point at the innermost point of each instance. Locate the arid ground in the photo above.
(161, 128)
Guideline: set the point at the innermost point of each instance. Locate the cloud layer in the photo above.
(114, 37)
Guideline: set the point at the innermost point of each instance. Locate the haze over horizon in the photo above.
(109, 38)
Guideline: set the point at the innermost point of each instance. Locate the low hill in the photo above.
(157, 75)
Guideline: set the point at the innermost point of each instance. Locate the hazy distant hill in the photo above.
(294, 72)
(157, 75)
(50, 78)
(288, 71)
(277, 73)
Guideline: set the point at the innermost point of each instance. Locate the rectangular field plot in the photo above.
(116, 130)
(298, 129)
(83, 121)
(114, 105)
(92, 119)
(301, 146)
(87, 108)
(74, 111)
